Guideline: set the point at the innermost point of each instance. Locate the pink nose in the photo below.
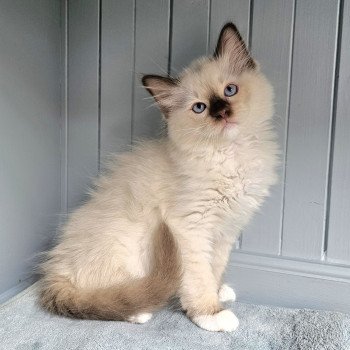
(224, 113)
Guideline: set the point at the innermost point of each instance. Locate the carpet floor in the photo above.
(24, 326)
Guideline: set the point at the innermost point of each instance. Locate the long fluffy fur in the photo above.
(145, 294)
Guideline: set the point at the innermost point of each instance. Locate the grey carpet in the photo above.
(24, 326)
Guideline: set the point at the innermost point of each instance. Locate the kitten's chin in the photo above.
(230, 130)
(229, 125)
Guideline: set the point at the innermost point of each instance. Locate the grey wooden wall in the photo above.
(29, 135)
(297, 250)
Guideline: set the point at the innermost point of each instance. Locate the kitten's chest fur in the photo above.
(238, 176)
(232, 182)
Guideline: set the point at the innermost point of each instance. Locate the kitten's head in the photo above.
(215, 98)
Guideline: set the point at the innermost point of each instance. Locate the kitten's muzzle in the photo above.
(219, 108)
(223, 114)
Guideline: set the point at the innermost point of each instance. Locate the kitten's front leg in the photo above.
(221, 256)
(199, 287)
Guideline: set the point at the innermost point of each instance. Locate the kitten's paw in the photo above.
(223, 321)
(226, 293)
(140, 318)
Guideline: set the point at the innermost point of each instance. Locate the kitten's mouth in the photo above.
(229, 123)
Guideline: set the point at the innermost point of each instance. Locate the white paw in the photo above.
(140, 318)
(226, 293)
(224, 321)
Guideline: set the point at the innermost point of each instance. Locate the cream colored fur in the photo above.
(204, 180)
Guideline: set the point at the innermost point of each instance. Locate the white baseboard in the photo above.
(322, 270)
(289, 283)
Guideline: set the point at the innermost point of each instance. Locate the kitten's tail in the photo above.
(145, 294)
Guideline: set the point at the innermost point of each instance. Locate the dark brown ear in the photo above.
(230, 43)
(161, 88)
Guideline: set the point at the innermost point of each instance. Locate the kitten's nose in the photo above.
(224, 113)
(219, 108)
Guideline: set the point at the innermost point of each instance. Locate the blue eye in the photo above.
(198, 107)
(231, 90)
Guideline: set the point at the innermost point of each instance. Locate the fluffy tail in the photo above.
(146, 294)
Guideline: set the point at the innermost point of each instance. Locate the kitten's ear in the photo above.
(161, 88)
(230, 43)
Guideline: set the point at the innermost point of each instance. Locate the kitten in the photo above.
(163, 221)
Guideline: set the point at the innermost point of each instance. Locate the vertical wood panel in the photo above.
(64, 106)
(151, 56)
(223, 11)
(116, 75)
(29, 135)
(189, 33)
(271, 35)
(83, 81)
(238, 12)
(309, 128)
(339, 220)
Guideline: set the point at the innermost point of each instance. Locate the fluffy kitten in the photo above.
(163, 221)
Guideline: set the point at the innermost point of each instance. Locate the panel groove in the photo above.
(67, 106)
(64, 107)
(170, 39)
(133, 74)
(250, 24)
(208, 26)
(332, 131)
(285, 146)
(99, 85)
